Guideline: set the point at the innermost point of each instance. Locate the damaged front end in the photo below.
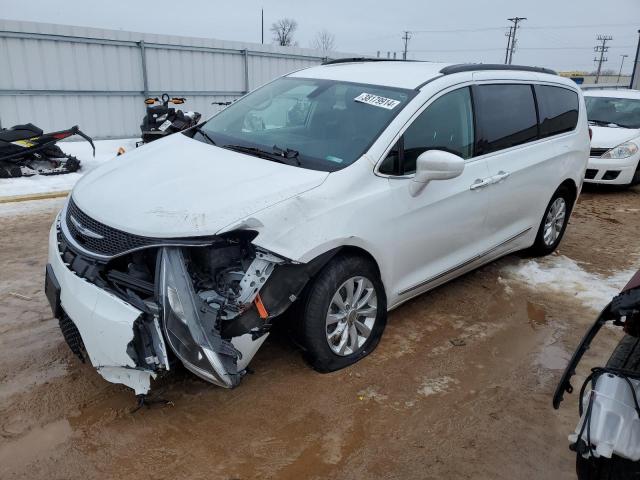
(134, 305)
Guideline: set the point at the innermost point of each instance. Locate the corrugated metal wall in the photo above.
(56, 76)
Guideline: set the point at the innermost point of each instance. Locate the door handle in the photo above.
(501, 175)
(480, 183)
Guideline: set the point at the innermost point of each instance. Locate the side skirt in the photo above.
(478, 261)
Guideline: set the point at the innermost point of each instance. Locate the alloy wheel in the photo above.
(351, 316)
(554, 221)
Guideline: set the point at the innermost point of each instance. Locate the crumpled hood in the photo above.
(179, 187)
(609, 137)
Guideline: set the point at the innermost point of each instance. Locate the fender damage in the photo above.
(209, 304)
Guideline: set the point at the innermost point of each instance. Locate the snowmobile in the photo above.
(162, 120)
(25, 151)
(607, 438)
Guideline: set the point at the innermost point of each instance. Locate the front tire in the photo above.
(554, 222)
(344, 313)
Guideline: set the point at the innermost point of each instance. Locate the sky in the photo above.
(559, 34)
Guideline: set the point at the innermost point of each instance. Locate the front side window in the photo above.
(558, 109)
(446, 124)
(613, 112)
(328, 124)
(506, 116)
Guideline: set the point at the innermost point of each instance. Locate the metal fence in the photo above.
(56, 76)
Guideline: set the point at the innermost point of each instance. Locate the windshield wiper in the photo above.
(204, 134)
(277, 155)
(287, 153)
(604, 123)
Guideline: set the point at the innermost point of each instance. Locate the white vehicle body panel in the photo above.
(104, 321)
(179, 187)
(610, 137)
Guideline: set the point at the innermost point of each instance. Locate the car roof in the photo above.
(390, 73)
(613, 93)
(399, 74)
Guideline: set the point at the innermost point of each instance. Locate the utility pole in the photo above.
(406, 37)
(262, 24)
(621, 64)
(635, 73)
(601, 49)
(508, 35)
(515, 21)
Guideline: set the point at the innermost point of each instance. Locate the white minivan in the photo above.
(337, 192)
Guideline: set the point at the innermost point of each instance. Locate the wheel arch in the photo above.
(570, 185)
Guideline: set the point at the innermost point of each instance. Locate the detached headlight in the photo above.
(621, 151)
(190, 325)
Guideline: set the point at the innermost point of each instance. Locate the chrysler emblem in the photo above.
(84, 231)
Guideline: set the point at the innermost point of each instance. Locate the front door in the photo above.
(442, 227)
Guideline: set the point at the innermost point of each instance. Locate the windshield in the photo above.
(325, 124)
(621, 112)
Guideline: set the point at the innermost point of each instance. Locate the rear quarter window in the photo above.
(558, 109)
(506, 116)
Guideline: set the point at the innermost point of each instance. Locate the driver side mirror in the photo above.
(435, 165)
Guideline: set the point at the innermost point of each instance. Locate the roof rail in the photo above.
(473, 67)
(363, 59)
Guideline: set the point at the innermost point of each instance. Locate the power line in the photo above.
(494, 49)
(601, 49)
(535, 27)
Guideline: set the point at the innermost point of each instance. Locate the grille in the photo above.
(611, 174)
(590, 173)
(114, 241)
(598, 152)
(72, 336)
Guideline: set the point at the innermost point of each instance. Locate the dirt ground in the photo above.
(417, 407)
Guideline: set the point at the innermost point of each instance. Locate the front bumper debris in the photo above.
(104, 321)
(132, 304)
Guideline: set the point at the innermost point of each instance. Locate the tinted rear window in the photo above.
(558, 109)
(506, 116)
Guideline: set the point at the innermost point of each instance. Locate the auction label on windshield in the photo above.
(377, 101)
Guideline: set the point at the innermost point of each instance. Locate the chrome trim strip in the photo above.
(85, 231)
(465, 263)
(105, 258)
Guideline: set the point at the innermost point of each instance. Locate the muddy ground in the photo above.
(418, 407)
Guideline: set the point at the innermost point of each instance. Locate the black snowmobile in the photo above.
(162, 120)
(25, 150)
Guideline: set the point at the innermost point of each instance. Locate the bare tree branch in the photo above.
(283, 31)
(324, 41)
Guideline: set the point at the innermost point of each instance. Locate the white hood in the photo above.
(609, 137)
(180, 187)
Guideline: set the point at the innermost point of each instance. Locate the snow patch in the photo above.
(31, 207)
(371, 393)
(433, 386)
(105, 151)
(561, 274)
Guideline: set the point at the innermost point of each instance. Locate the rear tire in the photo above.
(554, 222)
(319, 328)
(625, 356)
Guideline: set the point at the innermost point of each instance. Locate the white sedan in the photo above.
(614, 117)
